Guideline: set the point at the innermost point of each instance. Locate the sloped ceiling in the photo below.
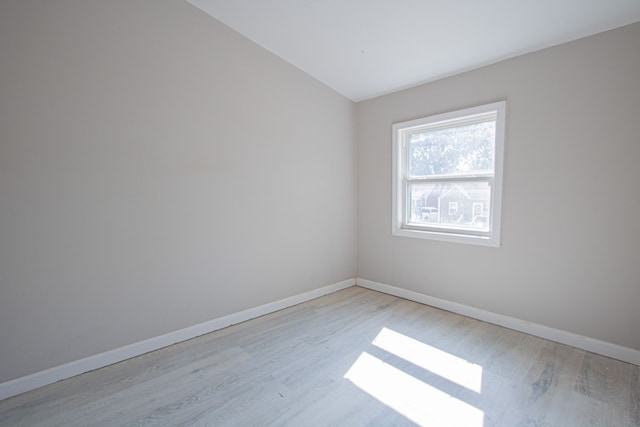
(366, 48)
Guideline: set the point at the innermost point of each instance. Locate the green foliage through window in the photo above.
(466, 149)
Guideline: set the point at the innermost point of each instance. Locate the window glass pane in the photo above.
(462, 205)
(464, 149)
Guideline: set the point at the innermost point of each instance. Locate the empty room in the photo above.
(320, 213)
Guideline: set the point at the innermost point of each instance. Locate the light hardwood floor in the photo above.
(352, 358)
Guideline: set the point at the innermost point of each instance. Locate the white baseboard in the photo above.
(68, 370)
(604, 348)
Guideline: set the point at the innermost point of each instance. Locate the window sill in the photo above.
(492, 241)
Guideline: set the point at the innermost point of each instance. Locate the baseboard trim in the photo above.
(71, 369)
(604, 348)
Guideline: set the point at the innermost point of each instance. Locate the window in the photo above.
(477, 209)
(453, 208)
(447, 173)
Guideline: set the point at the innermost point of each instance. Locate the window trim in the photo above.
(400, 199)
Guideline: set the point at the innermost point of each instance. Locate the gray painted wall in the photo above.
(157, 170)
(571, 235)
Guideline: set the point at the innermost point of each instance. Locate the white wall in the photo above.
(157, 170)
(571, 235)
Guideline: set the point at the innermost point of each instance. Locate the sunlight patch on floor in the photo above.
(446, 365)
(421, 403)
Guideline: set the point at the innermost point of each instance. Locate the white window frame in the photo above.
(401, 226)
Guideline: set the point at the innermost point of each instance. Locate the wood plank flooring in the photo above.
(352, 358)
